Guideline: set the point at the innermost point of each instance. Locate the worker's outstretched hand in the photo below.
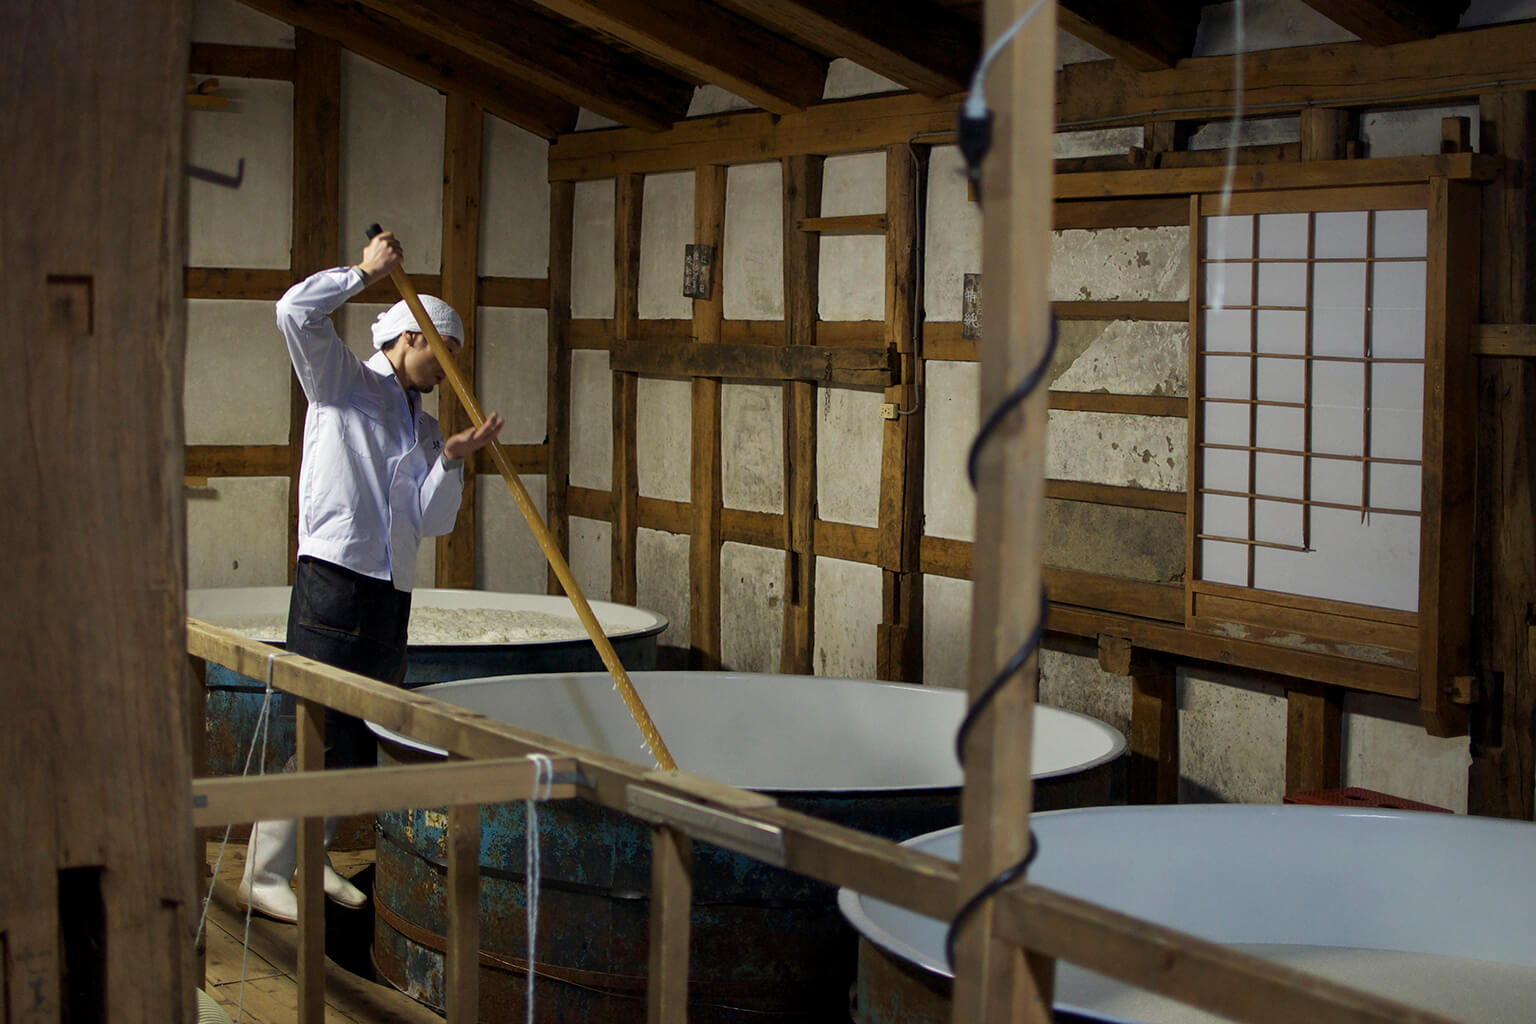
(472, 440)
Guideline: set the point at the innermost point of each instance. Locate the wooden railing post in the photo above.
(671, 902)
(463, 981)
(311, 758)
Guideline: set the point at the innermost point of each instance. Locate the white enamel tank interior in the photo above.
(220, 606)
(1433, 908)
(773, 732)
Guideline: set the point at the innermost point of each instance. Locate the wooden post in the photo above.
(899, 637)
(1326, 133)
(671, 905)
(316, 212)
(1500, 781)
(1154, 739)
(94, 754)
(1314, 741)
(624, 497)
(802, 268)
(463, 133)
(197, 749)
(562, 212)
(462, 984)
(705, 485)
(310, 724)
(994, 980)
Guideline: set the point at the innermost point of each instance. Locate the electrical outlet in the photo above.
(887, 410)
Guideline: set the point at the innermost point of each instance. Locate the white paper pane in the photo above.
(1282, 380)
(1397, 434)
(1395, 486)
(1225, 470)
(1402, 233)
(1280, 475)
(1228, 237)
(1338, 332)
(1282, 284)
(1238, 278)
(1278, 522)
(1397, 386)
(1338, 385)
(1337, 431)
(1224, 563)
(1338, 286)
(1228, 330)
(1337, 481)
(1283, 235)
(1224, 516)
(1339, 235)
(1281, 428)
(1224, 424)
(1282, 330)
(1374, 561)
(1397, 333)
(1227, 376)
(1397, 286)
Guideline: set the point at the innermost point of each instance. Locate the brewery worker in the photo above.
(377, 476)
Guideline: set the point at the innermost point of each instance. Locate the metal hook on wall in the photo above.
(217, 178)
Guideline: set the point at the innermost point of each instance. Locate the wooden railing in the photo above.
(681, 807)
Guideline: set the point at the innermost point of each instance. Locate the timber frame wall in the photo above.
(1147, 187)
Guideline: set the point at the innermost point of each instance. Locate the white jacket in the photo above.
(373, 480)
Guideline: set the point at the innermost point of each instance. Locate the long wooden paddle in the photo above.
(621, 679)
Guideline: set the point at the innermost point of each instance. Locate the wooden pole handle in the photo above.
(621, 680)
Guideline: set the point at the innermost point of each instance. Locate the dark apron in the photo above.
(354, 622)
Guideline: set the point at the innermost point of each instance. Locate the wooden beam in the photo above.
(709, 44)
(802, 179)
(273, 63)
(462, 152)
(1154, 739)
(1383, 22)
(1314, 738)
(1142, 36)
(1516, 340)
(515, 292)
(855, 224)
(252, 285)
(1268, 177)
(843, 367)
(706, 482)
(1326, 133)
(562, 211)
(236, 460)
(919, 44)
(524, 45)
(629, 195)
(387, 42)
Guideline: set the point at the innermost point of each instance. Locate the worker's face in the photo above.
(419, 368)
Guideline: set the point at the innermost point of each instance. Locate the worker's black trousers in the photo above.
(355, 622)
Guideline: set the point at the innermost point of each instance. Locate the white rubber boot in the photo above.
(271, 857)
(337, 888)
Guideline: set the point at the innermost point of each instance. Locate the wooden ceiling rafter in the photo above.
(1146, 37)
(920, 44)
(388, 43)
(711, 44)
(562, 60)
(1384, 22)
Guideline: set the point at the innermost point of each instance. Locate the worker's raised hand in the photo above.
(381, 255)
(472, 440)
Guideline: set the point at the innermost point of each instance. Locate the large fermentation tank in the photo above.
(766, 944)
(1435, 910)
(235, 701)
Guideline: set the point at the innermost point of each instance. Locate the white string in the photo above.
(976, 102)
(543, 780)
(1219, 256)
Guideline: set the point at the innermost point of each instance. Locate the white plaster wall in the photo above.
(753, 262)
(1077, 683)
(950, 423)
(666, 227)
(228, 21)
(852, 267)
(591, 557)
(661, 580)
(591, 420)
(249, 226)
(1072, 50)
(946, 631)
(953, 235)
(1267, 25)
(711, 99)
(1132, 357)
(1109, 448)
(514, 202)
(845, 79)
(751, 607)
(507, 555)
(237, 374)
(512, 371)
(1120, 264)
(1488, 12)
(1251, 131)
(237, 533)
(752, 447)
(1386, 749)
(590, 121)
(1096, 141)
(1231, 739)
(391, 162)
(1413, 132)
(663, 439)
(592, 250)
(849, 432)
(847, 614)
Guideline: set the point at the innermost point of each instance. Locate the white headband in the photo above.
(398, 319)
